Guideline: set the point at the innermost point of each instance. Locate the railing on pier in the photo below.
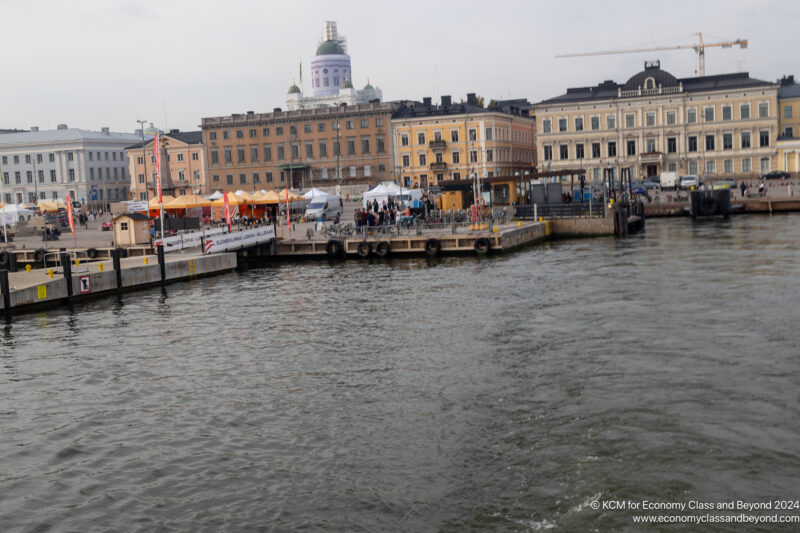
(550, 211)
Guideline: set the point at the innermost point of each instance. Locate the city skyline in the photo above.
(91, 64)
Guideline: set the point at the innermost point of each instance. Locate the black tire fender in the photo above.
(364, 250)
(5, 258)
(383, 249)
(482, 245)
(39, 254)
(122, 253)
(433, 247)
(333, 248)
(91, 253)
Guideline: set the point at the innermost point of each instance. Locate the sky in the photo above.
(97, 63)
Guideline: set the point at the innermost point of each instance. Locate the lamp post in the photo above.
(35, 179)
(144, 162)
(2, 200)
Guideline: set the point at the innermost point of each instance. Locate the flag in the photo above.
(158, 167)
(227, 212)
(69, 216)
(288, 224)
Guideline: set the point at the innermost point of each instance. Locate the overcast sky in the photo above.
(94, 63)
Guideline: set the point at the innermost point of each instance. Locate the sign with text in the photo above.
(239, 239)
(185, 240)
(136, 207)
(85, 284)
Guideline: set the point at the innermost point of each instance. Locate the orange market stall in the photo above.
(218, 206)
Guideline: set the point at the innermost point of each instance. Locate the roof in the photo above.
(132, 216)
(65, 135)
(188, 137)
(347, 84)
(418, 109)
(329, 48)
(293, 89)
(789, 91)
(611, 90)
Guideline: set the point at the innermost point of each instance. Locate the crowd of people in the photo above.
(378, 215)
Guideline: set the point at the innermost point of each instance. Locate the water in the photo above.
(496, 394)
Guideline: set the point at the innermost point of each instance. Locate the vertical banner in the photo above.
(288, 223)
(69, 216)
(227, 212)
(157, 151)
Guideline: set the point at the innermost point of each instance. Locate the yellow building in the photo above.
(451, 141)
(789, 141)
(711, 126)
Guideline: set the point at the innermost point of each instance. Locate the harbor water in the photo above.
(505, 393)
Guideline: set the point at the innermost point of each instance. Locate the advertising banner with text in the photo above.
(239, 239)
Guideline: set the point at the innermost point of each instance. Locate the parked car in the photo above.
(725, 183)
(688, 181)
(53, 219)
(776, 175)
(107, 226)
(638, 188)
(653, 182)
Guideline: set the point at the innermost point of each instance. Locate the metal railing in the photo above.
(550, 211)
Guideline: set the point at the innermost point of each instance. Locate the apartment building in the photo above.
(789, 140)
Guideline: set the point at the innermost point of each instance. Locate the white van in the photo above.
(669, 180)
(325, 207)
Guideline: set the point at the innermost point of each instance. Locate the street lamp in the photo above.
(144, 162)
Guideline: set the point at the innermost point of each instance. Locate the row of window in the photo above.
(650, 118)
(112, 194)
(179, 158)
(672, 146)
(309, 152)
(499, 134)
(307, 128)
(324, 173)
(29, 177)
(455, 157)
(51, 157)
(181, 176)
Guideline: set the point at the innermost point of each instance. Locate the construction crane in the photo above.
(699, 47)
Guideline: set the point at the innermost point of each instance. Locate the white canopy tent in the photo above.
(216, 196)
(11, 212)
(381, 193)
(312, 192)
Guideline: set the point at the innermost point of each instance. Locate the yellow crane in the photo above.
(699, 47)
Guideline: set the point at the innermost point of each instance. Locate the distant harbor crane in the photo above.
(699, 47)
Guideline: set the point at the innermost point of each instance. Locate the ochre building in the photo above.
(182, 161)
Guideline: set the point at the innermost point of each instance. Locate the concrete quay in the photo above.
(752, 205)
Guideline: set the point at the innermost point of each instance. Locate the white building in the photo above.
(90, 166)
(331, 77)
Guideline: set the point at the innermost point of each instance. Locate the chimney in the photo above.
(174, 132)
(61, 127)
(105, 131)
(250, 113)
(471, 99)
(446, 100)
(34, 128)
(276, 110)
(426, 101)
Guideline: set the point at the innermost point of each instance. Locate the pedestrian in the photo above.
(743, 187)
(375, 205)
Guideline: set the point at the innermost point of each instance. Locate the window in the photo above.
(367, 170)
(691, 115)
(671, 117)
(181, 175)
(456, 176)
(437, 135)
(278, 130)
(473, 156)
(650, 119)
(180, 157)
(595, 123)
(563, 151)
(746, 139)
(51, 157)
(90, 157)
(630, 120)
(254, 154)
(267, 152)
(353, 172)
(72, 174)
(548, 153)
(578, 123)
(788, 131)
(242, 179)
(351, 146)
(727, 112)
(423, 160)
(17, 177)
(672, 167)
(489, 156)
(195, 157)
(454, 136)
(336, 148)
(672, 145)
(29, 176)
(421, 138)
(364, 123)
(349, 125)
(763, 110)
(229, 179)
(378, 122)
(226, 135)
(91, 172)
(309, 150)
(215, 178)
(562, 124)
(727, 141)
(546, 126)
(764, 164)
(70, 156)
(612, 149)
(727, 166)
(611, 121)
(455, 157)
(239, 134)
(5, 159)
(404, 140)
(693, 167)
(579, 153)
(488, 134)
(212, 135)
(292, 130)
(365, 145)
(240, 154)
(744, 111)
(747, 165)
(631, 148)
(323, 149)
(295, 151)
(595, 150)
(406, 160)
(763, 138)
(265, 132)
(711, 167)
(381, 167)
(709, 142)
(228, 156)
(708, 114)
(787, 111)
(281, 153)
(16, 159)
(196, 175)
(651, 145)
(320, 126)
(473, 135)
(306, 128)
(268, 177)
(52, 176)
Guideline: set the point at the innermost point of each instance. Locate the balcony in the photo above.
(439, 166)
(437, 144)
(651, 157)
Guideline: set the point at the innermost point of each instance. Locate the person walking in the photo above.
(743, 187)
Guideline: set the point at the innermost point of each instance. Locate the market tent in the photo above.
(166, 198)
(292, 196)
(244, 197)
(381, 193)
(232, 200)
(271, 197)
(49, 206)
(216, 196)
(187, 201)
(11, 213)
(313, 191)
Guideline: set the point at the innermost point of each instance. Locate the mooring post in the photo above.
(4, 288)
(161, 262)
(536, 212)
(12, 261)
(66, 264)
(115, 259)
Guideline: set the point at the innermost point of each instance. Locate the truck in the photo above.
(669, 180)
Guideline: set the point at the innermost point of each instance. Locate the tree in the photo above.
(494, 104)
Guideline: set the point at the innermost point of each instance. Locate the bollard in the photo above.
(77, 262)
(115, 261)
(146, 260)
(161, 262)
(50, 273)
(4, 289)
(27, 268)
(100, 266)
(67, 265)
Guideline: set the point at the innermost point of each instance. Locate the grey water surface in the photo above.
(504, 393)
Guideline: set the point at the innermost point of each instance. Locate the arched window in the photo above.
(649, 83)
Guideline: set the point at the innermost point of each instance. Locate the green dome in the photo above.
(368, 87)
(294, 89)
(329, 48)
(346, 84)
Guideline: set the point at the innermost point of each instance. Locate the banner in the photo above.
(227, 212)
(239, 239)
(69, 216)
(185, 240)
(157, 150)
(136, 207)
